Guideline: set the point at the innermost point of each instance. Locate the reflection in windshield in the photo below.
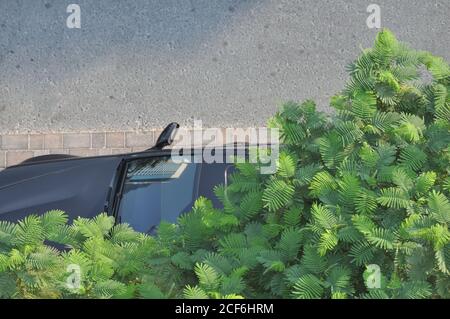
(157, 190)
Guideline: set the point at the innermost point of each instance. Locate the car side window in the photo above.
(155, 190)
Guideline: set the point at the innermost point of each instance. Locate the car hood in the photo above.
(80, 187)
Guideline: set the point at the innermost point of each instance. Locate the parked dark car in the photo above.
(141, 189)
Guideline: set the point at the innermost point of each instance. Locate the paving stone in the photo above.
(104, 151)
(41, 153)
(16, 157)
(53, 141)
(115, 140)
(120, 150)
(36, 142)
(15, 142)
(59, 151)
(2, 159)
(83, 152)
(98, 140)
(145, 139)
(77, 140)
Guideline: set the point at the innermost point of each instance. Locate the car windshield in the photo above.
(157, 190)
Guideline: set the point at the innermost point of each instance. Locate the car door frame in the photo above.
(113, 202)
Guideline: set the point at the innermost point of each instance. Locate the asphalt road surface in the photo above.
(139, 64)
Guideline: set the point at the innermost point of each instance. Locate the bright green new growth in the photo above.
(368, 186)
(108, 256)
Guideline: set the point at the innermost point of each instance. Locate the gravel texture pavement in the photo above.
(140, 64)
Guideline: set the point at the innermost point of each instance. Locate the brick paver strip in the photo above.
(77, 140)
(120, 150)
(59, 151)
(15, 148)
(115, 140)
(134, 139)
(98, 140)
(15, 157)
(83, 152)
(2, 159)
(15, 142)
(36, 142)
(53, 141)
